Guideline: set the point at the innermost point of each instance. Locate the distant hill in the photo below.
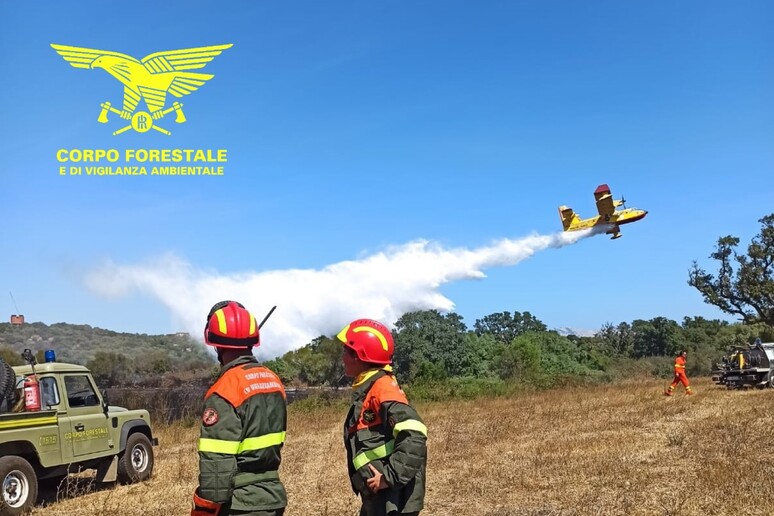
(79, 343)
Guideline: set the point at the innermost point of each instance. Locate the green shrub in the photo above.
(456, 388)
(323, 399)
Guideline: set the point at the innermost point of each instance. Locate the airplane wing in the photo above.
(604, 198)
(80, 57)
(184, 59)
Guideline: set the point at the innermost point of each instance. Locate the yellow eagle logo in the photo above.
(149, 79)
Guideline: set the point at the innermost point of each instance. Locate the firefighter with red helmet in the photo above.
(385, 439)
(243, 423)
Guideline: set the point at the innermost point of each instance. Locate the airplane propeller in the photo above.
(623, 202)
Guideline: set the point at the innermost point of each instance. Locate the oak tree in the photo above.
(744, 284)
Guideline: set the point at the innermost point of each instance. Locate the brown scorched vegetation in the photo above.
(615, 449)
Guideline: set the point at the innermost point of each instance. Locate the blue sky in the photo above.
(356, 129)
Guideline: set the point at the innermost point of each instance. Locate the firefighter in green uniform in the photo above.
(243, 424)
(385, 438)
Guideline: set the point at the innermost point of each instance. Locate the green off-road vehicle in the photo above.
(73, 430)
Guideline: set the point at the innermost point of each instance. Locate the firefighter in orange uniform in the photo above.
(385, 439)
(243, 424)
(680, 376)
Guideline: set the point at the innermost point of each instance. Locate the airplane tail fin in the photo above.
(568, 217)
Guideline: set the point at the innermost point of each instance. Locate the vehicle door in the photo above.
(54, 442)
(88, 423)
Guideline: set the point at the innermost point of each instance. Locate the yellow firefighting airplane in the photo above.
(608, 215)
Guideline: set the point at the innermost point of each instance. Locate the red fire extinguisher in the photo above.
(31, 393)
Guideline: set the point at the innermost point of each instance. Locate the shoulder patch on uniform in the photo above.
(210, 417)
(369, 416)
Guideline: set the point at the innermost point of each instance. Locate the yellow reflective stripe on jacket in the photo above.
(262, 441)
(409, 424)
(367, 456)
(237, 447)
(219, 446)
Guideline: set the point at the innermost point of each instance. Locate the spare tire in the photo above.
(7, 382)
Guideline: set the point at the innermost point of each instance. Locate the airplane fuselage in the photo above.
(608, 217)
(619, 217)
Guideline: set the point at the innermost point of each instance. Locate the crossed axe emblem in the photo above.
(141, 121)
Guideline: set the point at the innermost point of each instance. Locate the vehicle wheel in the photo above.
(7, 381)
(771, 379)
(19, 485)
(136, 463)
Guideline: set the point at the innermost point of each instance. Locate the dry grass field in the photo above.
(614, 449)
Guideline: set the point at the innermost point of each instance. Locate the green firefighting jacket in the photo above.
(242, 433)
(383, 430)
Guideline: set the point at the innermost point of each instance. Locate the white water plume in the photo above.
(314, 302)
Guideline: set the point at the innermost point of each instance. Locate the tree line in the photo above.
(435, 347)
(439, 348)
(516, 346)
(114, 358)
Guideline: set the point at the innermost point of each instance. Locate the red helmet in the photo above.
(230, 325)
(370, 339)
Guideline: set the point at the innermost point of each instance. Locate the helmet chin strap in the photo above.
(220, 355)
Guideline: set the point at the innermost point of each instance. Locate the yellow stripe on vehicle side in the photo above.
(409, 424)
(367, 456)
(237, 447)
(48, 420)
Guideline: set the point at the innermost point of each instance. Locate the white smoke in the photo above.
(314, 302)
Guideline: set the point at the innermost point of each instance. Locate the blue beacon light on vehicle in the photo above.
(50, 355)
